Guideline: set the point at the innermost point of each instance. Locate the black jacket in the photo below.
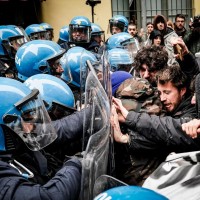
(64, 185)
(151, 132)
(153, 137)
(189, 66)
(69, 131)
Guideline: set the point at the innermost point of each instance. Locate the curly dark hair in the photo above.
(172, 74)
(155, 57)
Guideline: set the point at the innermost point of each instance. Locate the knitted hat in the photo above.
(154, 34)
(117, 78)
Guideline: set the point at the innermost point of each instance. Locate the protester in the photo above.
(156, 38)
(179, 25)
(149, 29)
(160, 23)
(150, 60)
(192, 38)
(170, 24)
(132, 30)
(151, 138)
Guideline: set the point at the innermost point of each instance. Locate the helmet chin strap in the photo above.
(17, 165)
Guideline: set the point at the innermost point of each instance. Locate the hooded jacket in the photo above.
(167, 33)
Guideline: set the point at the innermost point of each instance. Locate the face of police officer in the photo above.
(79, 34)
(56, 68)
(115, 30)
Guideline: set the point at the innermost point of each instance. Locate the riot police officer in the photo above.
(27, 171)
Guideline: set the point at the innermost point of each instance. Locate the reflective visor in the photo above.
(79, 34)
(16, 42)
(132, 46)
(39, 36)
(118, 24)
(58, 111)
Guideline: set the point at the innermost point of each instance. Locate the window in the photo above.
(142, 11)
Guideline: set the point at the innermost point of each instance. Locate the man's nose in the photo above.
(162, 97)
(146, 74)
(193, 100)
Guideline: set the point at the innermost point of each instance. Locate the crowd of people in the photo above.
(148, 107)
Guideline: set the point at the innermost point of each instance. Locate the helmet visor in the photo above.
(32, 122)
(58, 111)
(39, 36)
(79, 34)
(12, 45)
(22, 32)
(132, 46)
(66, 75)
(100, 36)
(16, 42)
(118, 24)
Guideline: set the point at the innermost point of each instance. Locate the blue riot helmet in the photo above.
(39, 57)
(23, 112)
(117, 24)
(36, 32)
(97, 33)
(58, 97)
(130, 193)
(115, 40)
(11, 38)
(64, 33)
(119, 59)
(75, 59)
(80, 30)
(64, 37)
(49, 29)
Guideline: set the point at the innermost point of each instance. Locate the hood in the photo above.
(159, 18)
